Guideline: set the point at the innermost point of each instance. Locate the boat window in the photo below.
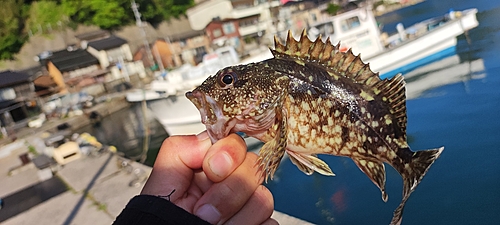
(350, 23)
(313, 17)
(325, 29)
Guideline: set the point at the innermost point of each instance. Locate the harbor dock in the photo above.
(92, 189)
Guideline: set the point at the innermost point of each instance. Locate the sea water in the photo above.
(463, 186)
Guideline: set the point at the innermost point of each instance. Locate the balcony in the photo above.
(238, 13)
(252, 29)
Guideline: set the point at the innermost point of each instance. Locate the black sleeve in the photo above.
(148, 209)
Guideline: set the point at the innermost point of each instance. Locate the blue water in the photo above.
(463, 186)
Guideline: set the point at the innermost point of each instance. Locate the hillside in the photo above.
(28, 27)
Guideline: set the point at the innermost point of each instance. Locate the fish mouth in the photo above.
(218, 126)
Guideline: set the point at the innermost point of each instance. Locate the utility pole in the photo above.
(138, 20)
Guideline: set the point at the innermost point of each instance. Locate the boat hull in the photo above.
(177, 114)
(436, 44)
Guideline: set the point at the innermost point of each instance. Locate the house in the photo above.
(17, 98)
(254, 17)
(75, 70)
(224, 33)
(44, 84)
(113, 54)
(298, 15)
(110, 50)
(187, 45)
(161, 51)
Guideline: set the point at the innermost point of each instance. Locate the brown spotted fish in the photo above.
(311, 99)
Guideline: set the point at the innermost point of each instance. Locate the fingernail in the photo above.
(220, 164)
(208, 213)
(202, 136)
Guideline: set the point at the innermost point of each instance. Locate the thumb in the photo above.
(178, 158)
(224, 157)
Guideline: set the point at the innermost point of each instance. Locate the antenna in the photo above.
(138, 20)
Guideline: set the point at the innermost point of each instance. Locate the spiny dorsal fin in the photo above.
(348, 65)
(328, 55)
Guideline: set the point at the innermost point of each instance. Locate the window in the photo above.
(217, 33)
(313, 17)
(115, 54)
(228, 28)
(249, 22)
(7, 94)
(350, 23)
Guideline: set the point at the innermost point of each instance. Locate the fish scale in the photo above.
(311, 99)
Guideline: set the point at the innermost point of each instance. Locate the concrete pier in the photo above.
(89, 190)
(98, 188)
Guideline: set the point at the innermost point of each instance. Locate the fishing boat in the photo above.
(409, 48)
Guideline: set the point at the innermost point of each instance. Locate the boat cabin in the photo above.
(356, 29)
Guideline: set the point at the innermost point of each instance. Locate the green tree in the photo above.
(44, 13)
(156, 11)
(11, 27)
(109, 14)
(332, 9)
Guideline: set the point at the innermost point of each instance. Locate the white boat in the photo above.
(414, 46)
(186, 77)
(357, 29)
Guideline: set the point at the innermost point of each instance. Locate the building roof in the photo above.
(93, 35)
(11, 78)
(107, 43)
(71, 60)
(35, 71)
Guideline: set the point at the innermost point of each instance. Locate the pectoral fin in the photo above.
(272, 152)
(375, 171)
(310, 163)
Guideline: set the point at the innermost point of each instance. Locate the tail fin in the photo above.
(412, 174)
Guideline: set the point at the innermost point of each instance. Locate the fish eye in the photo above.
(227, 79)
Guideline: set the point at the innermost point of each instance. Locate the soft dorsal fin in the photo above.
(394, 92)
(348, 65)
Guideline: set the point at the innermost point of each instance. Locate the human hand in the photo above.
(219, 183)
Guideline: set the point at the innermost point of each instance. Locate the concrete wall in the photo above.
(200, 15)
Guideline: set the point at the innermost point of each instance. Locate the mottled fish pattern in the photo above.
(311, 99)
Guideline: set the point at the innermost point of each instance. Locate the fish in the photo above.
(313, 98)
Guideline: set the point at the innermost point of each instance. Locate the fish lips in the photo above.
(211, 115)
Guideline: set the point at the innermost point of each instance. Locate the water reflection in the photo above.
(445, 71)
(127, 130)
